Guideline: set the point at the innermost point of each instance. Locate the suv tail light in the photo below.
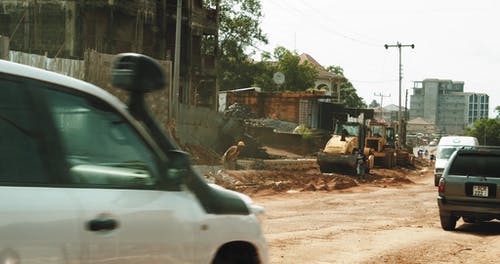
(441, 185)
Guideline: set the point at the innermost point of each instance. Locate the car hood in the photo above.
(252, 207)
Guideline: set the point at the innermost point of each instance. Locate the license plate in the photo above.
(480, 190)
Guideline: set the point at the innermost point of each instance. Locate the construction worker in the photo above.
(231, 156)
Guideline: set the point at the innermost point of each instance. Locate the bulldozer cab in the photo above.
(377, 131)
(348, 129)
(381, 142)
(390, 136)
(377, 138)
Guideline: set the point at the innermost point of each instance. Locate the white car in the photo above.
(87, 179)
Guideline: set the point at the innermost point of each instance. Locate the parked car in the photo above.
(446, 146)
(85, 178)
(470, 186)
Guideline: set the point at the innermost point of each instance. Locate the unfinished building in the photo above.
(67, 28)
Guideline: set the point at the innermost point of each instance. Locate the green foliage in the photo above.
(239, 30)
(374, 104)
(497, 109)
(263, 76)
(348, 93)
(304, 131)
(487, 131)
(298, 77)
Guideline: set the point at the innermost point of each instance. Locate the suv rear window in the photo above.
(476, 164)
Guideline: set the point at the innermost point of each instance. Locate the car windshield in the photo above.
(445, 152)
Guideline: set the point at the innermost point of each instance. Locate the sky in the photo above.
(454, 40)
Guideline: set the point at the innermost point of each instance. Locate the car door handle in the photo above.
(102, 224)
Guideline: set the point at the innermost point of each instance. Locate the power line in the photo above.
(400, 120)
(382, 103)
(321, 12)
(323, 26)
(381, 97)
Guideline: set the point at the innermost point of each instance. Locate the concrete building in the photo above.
(389, 113)
(477, 107)
(325, 80)
(67, 28)
(444, 103)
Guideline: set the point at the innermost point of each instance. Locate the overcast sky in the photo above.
(454, 39)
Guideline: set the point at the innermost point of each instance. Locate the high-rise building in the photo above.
(477, 107)
(444, 103)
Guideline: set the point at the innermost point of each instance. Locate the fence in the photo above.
(198, 126)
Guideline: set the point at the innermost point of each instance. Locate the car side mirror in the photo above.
(178, 159)
(137, 73)
(178, 166)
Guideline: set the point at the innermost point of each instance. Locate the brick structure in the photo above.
(293, 107)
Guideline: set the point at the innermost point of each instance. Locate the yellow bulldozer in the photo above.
(381, 140)
(345, 151)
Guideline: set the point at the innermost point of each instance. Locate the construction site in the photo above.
(278, 157)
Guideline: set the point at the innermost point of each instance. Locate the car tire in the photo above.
(236, 256)
(448, 221)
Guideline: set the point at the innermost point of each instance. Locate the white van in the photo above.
(447, 145)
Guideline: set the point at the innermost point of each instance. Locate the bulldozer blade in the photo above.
(329, 163)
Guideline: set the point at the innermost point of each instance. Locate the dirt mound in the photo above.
(202, 156)
(262, 182)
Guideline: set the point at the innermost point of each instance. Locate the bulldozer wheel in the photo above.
(387, 161)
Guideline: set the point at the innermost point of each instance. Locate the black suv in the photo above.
(470, 186)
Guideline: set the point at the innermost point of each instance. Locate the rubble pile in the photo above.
(239, 111)
(261, 182)
(202, 155)
(277, 125)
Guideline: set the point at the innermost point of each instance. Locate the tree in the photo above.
(487, 131)
(347, 91)
(239, 30)
(374, 104)
(298, 77)
(497, 109)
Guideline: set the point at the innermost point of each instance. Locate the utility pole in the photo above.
(382, 103)
(399, 46)
(177, 61)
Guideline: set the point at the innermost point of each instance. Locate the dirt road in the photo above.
(372, 223)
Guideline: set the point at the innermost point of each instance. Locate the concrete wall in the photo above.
(200, 126)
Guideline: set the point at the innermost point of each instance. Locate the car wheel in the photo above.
(236, 254)
(448, 221)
